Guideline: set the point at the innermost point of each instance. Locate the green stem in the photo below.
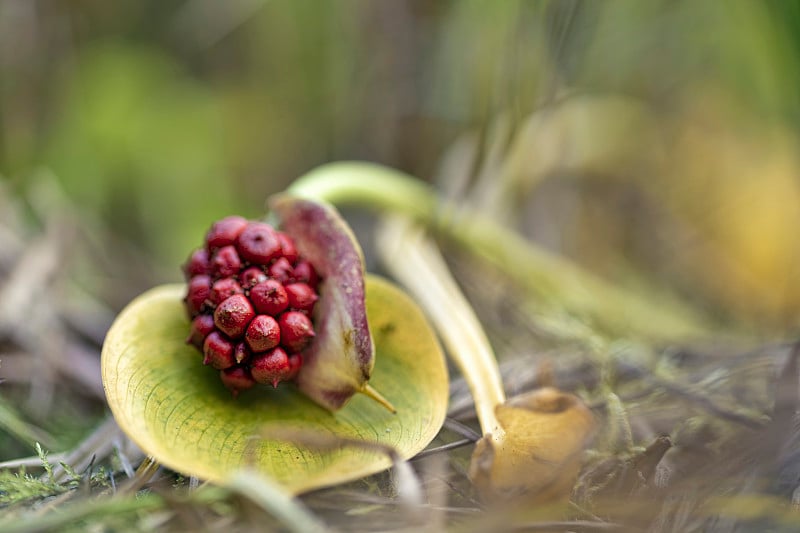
(553, 280)
(369, 185)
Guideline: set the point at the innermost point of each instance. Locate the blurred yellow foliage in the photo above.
(718, 190)
(739, 187)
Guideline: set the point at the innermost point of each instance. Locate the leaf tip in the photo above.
(371, 393)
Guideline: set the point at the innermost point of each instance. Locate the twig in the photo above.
(443, 448)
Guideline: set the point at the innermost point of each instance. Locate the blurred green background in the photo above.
(156, 117)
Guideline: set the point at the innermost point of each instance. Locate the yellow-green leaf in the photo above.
(177, 410)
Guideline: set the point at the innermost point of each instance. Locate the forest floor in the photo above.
(699, 437)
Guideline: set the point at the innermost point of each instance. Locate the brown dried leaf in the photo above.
(538, 458)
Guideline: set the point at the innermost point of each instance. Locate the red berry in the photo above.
(225, 262)
(288, 248)
(304, 272)
(295, 363)
(252, 276)
(241, 353)
(281, 270)
(296, 331)
(233, 315)
(237, 379)
(223, 289)
(271, 367)
(269, 297)
(198, 292)
(218, 351)
(263, 333)
(301, 296)
(250, 295)
(201, 326)
(258, 243)
(225, 231)
(198, 263)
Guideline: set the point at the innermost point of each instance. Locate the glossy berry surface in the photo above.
(250, 296)
(271, 367)
(222, 289)
(201, 327)
(197, 294)
(296, 331)
(301, 296)
(269, 297)
(218, 351)
(224, 232)
(233, 315)
(252, 276)
(259, 243)
(198, 263)
(225, 262)
(263, 333)
(237, 379)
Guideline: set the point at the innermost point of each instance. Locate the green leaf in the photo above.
(177, 410)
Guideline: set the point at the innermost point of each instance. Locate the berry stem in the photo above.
(551, 279)
(416, 262)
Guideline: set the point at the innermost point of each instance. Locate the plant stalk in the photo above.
(416, 262)
(553, 280)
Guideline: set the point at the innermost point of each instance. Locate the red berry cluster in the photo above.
(250, 297)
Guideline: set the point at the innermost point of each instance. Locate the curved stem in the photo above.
(368, 185)
(554, 280)
(414, 261)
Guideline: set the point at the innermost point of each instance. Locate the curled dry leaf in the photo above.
(178, 413)
(539, 457)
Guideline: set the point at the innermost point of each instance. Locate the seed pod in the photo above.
(261, 287)
(339, 361)
(232, 296)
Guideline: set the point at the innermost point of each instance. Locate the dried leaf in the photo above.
(538, 459)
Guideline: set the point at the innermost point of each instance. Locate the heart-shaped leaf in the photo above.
(177, 411)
